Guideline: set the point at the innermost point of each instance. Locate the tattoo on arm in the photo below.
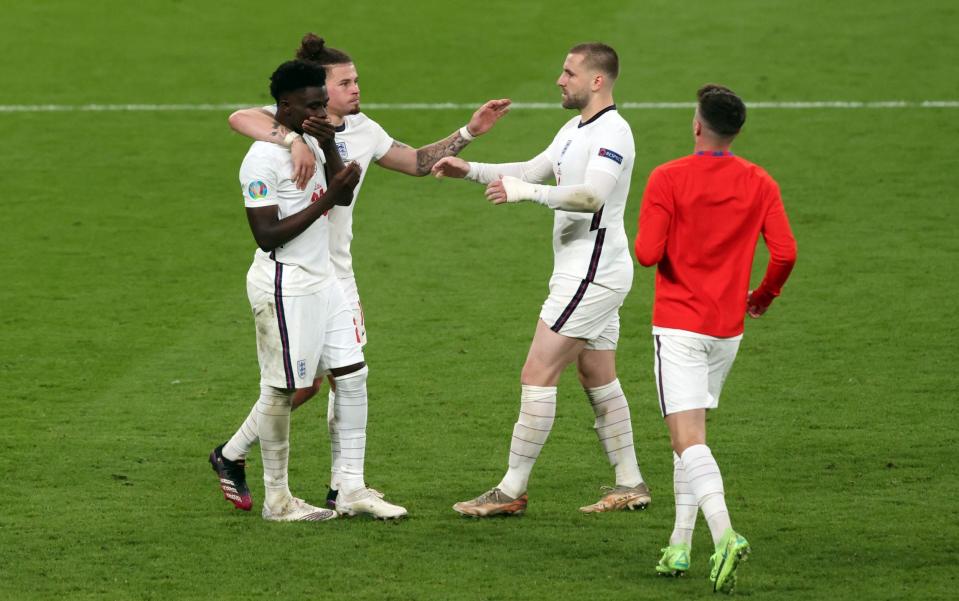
(279, 131)
(398, 144)
(449, 146)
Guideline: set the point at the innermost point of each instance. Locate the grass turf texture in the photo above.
(128, 348)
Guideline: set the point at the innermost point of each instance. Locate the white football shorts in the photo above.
(353, 297)
(690, 371)
(581, 309)
(298, 337)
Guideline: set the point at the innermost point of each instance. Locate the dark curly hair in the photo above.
(722, 110)
(296, 75)
(314, 49)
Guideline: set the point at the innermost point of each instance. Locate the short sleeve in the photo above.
(610, 150)
(258, 182)
(382, 141)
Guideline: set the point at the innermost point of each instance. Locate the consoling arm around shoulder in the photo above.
(587, 197)
(258, 124)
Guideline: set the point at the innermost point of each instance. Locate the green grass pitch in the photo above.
(128, 348)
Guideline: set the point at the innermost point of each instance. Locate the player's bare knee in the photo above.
(536, 374)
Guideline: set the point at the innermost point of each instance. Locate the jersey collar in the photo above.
(611, 107)
(715, 153)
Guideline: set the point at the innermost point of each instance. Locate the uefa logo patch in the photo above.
(257, 190)
(611, 155)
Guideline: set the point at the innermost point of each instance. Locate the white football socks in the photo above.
(238, 447)
(349, 422)
(687, 509)
(273, 425)
(536, 414)
(614, 428)
(706, 483)
(334, 439)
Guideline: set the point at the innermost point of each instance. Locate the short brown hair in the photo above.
(722, 110)
(599, 56)
(314, 49)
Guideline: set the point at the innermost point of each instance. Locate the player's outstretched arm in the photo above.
(587, 197)
(260, 125)
(420, 161)
(536, 170)
(270, 231)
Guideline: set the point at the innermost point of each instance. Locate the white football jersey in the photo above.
(302, 265)
(594, 246)
(362, 140)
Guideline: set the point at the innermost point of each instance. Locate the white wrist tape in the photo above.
(466, 135)
(517, 190)
(290, 138)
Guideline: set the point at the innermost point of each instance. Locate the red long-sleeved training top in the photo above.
(699, 222)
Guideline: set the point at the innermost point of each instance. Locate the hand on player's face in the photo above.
(450, 167)
(487, 115)
(320, 128)
(495, 192)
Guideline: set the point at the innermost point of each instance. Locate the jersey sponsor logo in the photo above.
(257, 190)
(341, 148)
(611, 155)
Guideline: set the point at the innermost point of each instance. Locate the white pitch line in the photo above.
(442, 106)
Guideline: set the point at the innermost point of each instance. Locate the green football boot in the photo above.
(731, 550)
(675, 560)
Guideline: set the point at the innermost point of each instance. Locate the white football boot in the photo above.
(370, 502)
(298, 510)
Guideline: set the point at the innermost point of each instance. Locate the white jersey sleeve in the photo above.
(382, 141)
(259, 181)
(536, 170)
(610, 150)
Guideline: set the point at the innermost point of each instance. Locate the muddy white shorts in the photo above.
(298, 337)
